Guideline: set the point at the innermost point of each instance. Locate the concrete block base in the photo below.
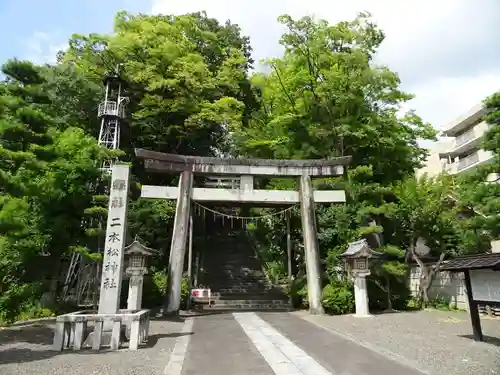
(109, 330)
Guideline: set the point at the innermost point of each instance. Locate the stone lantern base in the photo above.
(361, 296)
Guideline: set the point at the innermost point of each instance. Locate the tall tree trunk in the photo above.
(389, 293)
(427, 274)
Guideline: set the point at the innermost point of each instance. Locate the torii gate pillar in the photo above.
(178, 247)
(246, 169)
(311, 248)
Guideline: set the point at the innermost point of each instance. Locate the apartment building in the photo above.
(459, 149)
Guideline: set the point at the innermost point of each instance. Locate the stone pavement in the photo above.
(220, 343)
(438, 342)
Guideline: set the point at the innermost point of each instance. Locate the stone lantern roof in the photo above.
(137, 248)
(360, 249)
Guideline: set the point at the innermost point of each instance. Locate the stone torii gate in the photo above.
(246, 170)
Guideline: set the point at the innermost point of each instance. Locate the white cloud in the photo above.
(42, 47)
(442, 49)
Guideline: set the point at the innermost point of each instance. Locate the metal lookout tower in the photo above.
(82, 279)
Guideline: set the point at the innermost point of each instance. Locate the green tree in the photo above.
(424, 218)
(186, 78)
(44, 178)
(323, 98)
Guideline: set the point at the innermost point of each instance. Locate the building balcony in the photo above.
(111, 108)
(468, 141)
(469, 162)
(465, 121)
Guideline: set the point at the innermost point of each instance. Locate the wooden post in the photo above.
(473, 310)
(178, 247)
(311, 248)
(289, 257)
(190, 261)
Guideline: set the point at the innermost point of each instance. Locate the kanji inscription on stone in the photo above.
(117, 202)
(112, 265)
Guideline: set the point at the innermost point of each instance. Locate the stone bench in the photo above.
(70, 328)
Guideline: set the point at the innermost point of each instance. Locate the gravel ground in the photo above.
(434, 341)
(27, 350)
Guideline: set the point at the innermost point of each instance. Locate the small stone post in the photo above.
(112, 265)
(311, 247)
(178, 247)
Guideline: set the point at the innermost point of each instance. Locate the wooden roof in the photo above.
(472, 262)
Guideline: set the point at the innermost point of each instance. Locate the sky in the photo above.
(445, 51)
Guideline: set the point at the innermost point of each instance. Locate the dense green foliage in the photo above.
(191, 92)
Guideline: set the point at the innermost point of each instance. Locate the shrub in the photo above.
(441, 303)
(184, 292)
(400, 295)
(154, 290)
(34, 312)
(155, 287)
(338, 298)
(298, 292)
(18, 298)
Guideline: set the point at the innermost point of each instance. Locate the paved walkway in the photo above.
(243, 343)
(439, 341)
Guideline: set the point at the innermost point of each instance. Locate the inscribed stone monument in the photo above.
(112, 266)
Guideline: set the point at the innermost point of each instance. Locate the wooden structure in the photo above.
(482, 283)
(245, 170)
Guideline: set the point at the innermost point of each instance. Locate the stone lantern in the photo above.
(137, 255)
(357, 258)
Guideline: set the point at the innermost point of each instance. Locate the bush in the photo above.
(338, 299)
(155, 288)
(441, 303)
(184, 292)
(35, 312)
(298, 293)
(18, 298)
(400, 295)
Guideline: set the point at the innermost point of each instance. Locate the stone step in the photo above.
(240, 291)
(228, 279)
(240, 302)
(235, 286)
(235, 281)
(240, 270)
(264, 306)
(250, 296)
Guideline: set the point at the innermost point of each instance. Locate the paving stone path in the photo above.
(436, 341)
(223, 343)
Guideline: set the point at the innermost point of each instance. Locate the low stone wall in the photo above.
(71, 329)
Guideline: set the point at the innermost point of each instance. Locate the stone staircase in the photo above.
(234, 273)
